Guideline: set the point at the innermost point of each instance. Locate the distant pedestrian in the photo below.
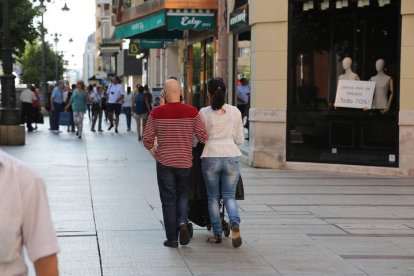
(115, 97)
(36, 107)
(27, 97)
(221, 157)
(96, 101)
(141, 107)
(127, 106)
(56, 105)
(25, 221)
(89, 91)
(175, 125)
(78, 102)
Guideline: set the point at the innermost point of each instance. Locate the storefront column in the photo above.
(269, 36)
(406, 115)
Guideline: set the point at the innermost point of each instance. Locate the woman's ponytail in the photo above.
(217, 90)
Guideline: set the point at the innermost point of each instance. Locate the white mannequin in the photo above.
(383, 84)
(348, 74)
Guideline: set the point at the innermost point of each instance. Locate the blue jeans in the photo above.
(127, 111)
(221, 175)
(54, 118)
(173, 187)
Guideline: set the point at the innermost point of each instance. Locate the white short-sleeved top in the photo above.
(114, 92)
(225, 132)
(24, 217)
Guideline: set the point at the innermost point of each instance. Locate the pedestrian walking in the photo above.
(25, 221)
(78, 102)
(90, 90)
(141, 107)
(27, 97)
(36, 107)
(56, 105)
(96, 101)
(220, 159)
(175, 125)
(127, 106)
(115, 97)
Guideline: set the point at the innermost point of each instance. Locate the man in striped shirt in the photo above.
(175, 125)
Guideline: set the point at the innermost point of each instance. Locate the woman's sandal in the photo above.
(236, 237)
(214, 239)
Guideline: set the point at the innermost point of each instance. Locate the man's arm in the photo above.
(149, 135)
(47, 266)
(200, 130)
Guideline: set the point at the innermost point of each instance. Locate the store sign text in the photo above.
(354, 94)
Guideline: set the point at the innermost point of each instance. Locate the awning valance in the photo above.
(140, 26)
(166, 25)
(190, 21)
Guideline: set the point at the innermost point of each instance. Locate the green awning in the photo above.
(190, 21)
(140, 26)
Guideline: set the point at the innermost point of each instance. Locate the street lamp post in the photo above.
(43, 85)
(56, 40)
(9, 112)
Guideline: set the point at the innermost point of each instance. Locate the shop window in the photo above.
(322, 33)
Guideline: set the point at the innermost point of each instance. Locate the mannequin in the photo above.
(348, 74)
(383, 85)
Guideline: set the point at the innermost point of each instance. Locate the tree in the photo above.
(31, 59)
(22, 28)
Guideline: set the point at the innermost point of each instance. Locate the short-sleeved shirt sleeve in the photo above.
(24, 216)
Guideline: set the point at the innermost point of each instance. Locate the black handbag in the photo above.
(38, 118)
(240, 189)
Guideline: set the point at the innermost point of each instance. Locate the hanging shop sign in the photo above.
(354, 94)
(154, 43)
(133, 48)
(239, 19)
(139, 26)
(195, 21)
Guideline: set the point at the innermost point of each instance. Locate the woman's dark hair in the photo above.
(217, 90)
(141, 89)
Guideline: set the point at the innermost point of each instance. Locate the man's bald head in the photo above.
(172, 90)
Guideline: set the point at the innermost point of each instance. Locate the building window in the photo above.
(322, 34)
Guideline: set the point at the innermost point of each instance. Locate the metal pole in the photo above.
(43, 82)
(9, 112)
(56, 60)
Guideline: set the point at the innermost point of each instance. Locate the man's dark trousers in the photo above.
(173, 186)
(58, 107)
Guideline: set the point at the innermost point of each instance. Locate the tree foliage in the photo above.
(22, 29)
(31, 63)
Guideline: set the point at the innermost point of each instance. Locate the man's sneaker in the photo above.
(184, 234)
(116, 130)
(110, 127)
(172, 244)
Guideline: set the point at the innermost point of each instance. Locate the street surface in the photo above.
(107, 213)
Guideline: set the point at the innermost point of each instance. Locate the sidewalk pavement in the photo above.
(107, 213)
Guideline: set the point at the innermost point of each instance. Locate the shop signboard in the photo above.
(133, 48)
(198, 22)
(239, 19)
(154, 43)
(354, 94)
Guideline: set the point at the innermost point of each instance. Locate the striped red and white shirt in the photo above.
(174, 125)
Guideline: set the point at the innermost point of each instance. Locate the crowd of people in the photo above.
(98, 102)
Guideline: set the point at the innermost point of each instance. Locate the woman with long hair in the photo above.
(220, 159)
(78, 102)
